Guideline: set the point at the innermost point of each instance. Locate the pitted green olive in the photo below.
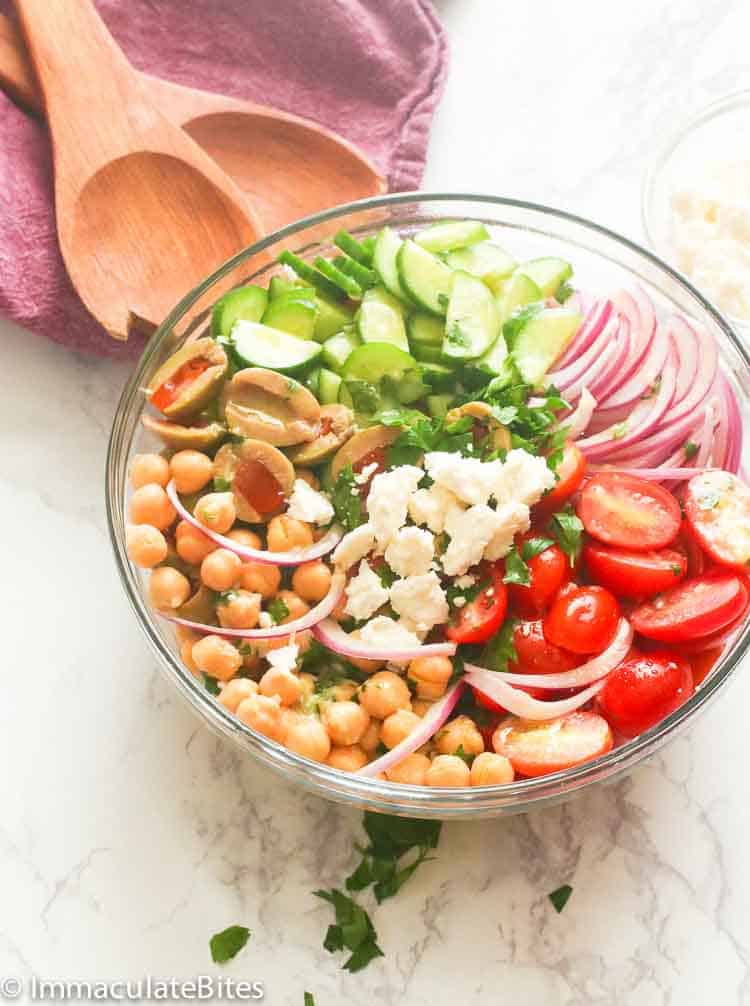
(260, 476)
(336, 426)
(264, 405)
(188, 380)
(201, 607)
(198, 438)
(356, 449)
(482, 412)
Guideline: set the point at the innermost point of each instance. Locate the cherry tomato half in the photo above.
(717, 509)
(481, 618)
(583, 620)
(620, 509)
(716, 639)
(570, 474)
(535, 654)
(634, 574)
(693, 609)
(696, 557)
(536, 748)
(548, 571)
(643, 690)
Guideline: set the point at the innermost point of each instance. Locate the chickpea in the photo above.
(302, 640)
(410, 770)
(421, 706)
(216, 511)
(185, 635)
(398, 726)
(192, 545)
(168, 588)
(307, 476)
(243, 536)
(307, 736)
(186, 655)
(312, 580)
(285, 533)
(489, 769)
(217, 657)
(283, 683)
(240, 611)
(236, 691)
(447, 770)
(148, 468)
(220, 570)
(150, 505)
(384, 693)
(146, 545)
(307, 683)
(371, 737)
(347, 759)
(262, 714)
(344, 690)
(260, 578)
(431, 675)
(346, 722)
(191, 470)
(297, 607)
(459, 733)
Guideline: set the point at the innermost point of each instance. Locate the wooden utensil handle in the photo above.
(16, 72)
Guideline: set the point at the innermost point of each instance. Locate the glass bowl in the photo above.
(602, 260)
(721, 130)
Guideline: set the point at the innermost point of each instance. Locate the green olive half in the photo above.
(336, 426)
(355, 450)
(261, 477)
(482, 412)
(197, 438)
(264, 405)
(188, 380)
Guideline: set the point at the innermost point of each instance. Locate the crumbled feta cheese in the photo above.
(432, 507)
(469, 479)
(365, 593)
(364, 476)
(513, 518)
(265, 620)
(466, 581)
(285, 658)
(309, 505)
(410, 552)
(470, 532)
(387, 634)
(421, 600)
(522, 478)
(354, 546)
(388, 500)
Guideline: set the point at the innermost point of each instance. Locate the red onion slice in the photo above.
(580, 368)
(330, 634)
(580, 417)
(687, 353)
(292, 558)
(652, 474)
(708, 354)
(609, 377)
(426, 730)
(734, 429)
(520, 703)
(321, 610)
(595, 318)
(644, 374)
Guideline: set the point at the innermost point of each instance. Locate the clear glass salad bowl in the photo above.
(603, 261)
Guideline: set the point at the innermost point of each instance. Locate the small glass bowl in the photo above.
(720, 130)
(603, 261)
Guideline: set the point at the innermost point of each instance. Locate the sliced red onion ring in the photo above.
(580, 417)
(580, 368)
(594, 669)
(291, 558)
(652, 474)
(611, 377)
(643, 376)
(734, 432)
(330, 634)
(687, 353)
(520, 703)
(600, 372)
(666, 438)
(595, 318)
(708, 354)
(427, 729)
(321, 610)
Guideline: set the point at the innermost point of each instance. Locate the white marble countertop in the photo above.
(129, 833)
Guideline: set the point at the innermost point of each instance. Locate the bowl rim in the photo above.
(398, 798)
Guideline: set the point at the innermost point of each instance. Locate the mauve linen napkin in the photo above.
(372, 70)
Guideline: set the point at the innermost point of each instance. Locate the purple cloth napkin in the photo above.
(372, 70)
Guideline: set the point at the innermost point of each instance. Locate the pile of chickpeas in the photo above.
(347, 725)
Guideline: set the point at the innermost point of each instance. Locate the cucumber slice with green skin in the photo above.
(345, 283)
(547, 273)
(488, 261)
(386, 249)
(359, 273)
(293, 314)
(280, 286)
(337, 350)
(424, 353)
(309, 275)
(445, 237)
(426, 329)
(490, 364)
(438, 376)
(473, 321)
(518, 291)
(247, 302)
(257, 345)
(328, 387)
(312, 381)
(332, 316)
(381, 319)
(438, 405)
(391, 371)
(353, 248)
(541, 341)
(426, 279)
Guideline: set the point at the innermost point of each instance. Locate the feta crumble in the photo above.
(354, 546)
(522, 478)
(470, 532)
(410, 551)
(285, 658)
(388, 500)
(513, 518)
(365, 593)
(432, 507)
(469, 479)
(421, 600)
(387, 634)
(309, 505)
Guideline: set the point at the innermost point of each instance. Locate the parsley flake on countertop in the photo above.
(309, 999)
(353, 930)
(390, 839)
(228, 943)
(559, 898)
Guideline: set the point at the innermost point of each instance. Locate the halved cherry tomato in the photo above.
(716, 639)
(717, 508)
(583, 620)
(570, 474)
(257, 485)
(548, 571)
(696, 557)
(536, 748)
(481, 618)
(643, 690)
(693, 609)
(168, 393)
(634, 574)
(620, 509)
(704, 662)
(535, 654)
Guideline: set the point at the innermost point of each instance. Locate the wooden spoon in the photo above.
(289, 167)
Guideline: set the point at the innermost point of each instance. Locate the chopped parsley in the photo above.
(421, 434)
(518, 320)
(227, 596)
(676, 569)
(228, 943)
(559, 898)
(221, 485)
(278, 610)
(500, 651)
(346, 501)
(564, 291)
(690, 449)
(309, 999)
(516, 570)
(532, 427)
(463, 755)
(619, 431)
(211, 685)
(535, 546)
(390, 839)
(568, 529)
(353, 930)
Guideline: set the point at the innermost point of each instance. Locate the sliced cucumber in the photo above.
(247, 302)
(444, 237)
(353, 248)
(344, 282)
(473, 322)
(490, 364)
(294, 313)
(381, 319)
(312, 381)
(547, 273)
(328, 387)
(257, 345)
(337, 349)
(425, 278)
(423, 352)
(438, 376)
(518, 291)
(387, 246)
(281, 285)
(332, 316)
(309, 275)
(426, 329)
(438, 405)
(361, 274)
(394, 373)
(542, 339)
(488, 261)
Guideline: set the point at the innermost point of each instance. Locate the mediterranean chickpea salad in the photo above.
(432, 515)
